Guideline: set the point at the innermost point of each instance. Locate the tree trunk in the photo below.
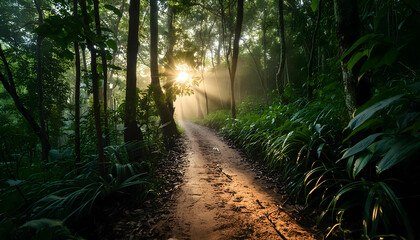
(95, 88)
(311, 56)
(103, 89)
(348, 24)
(9, 85)
(44, 141)
(280, 72)
(77, 95)
(265, 61)
(170, 66)
(168, 124)
(238, 29)
(132, 132)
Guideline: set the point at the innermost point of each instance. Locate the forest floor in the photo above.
(217, 194)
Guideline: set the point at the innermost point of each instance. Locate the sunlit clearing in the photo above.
(182, 77)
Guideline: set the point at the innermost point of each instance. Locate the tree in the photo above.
(348, 24)
(232, 56)
(77, 93)
(103, 89)
(311, 56)
(9, 85)
(132, 132)
(168, 124)
(95, 88)
(280, 72)
(170, 64)
(44, 141)
(232, 72)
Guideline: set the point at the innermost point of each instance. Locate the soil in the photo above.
(212, 192)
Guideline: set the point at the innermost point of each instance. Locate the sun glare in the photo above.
(182, 77)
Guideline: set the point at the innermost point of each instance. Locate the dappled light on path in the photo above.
(222, 199)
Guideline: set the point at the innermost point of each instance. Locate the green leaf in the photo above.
(381, 54)
(355, 58)
(401, 150)
(360, 163)
(368, 112)
(371, 124)
(114, 67)
(113, 9)
(360, 146)
(112, 44)
(359, 42)
(314, 5)
(12, 182)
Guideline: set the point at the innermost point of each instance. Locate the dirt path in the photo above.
(222, 199)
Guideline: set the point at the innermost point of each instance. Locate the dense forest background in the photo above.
(326, 92)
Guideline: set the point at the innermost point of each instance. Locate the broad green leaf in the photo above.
(369, 124)
(401, 150)
(314, 5)
(360, 163)
(359, 42)
(12, 182)
(114, 67)
(113, 9)
(41, 223)
(360, 146)
(381, 54)
(368, 112)
(355, 58)
(112, 44)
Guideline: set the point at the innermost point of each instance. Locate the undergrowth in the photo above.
(356, 171)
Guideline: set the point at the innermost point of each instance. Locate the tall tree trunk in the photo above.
(77, 94)
(265, 61)
(132, 131)
(95, 88)
(84, 59)
(44, 140)
(169, 126)
(311, 56)
(280, 72)
(9, 85)
(170, 66)
(103, 89)
(238, 29)
(348, 24)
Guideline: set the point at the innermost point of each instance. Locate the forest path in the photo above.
(222, 199)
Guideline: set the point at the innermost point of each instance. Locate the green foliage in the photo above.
(44, 228)
(361, 180)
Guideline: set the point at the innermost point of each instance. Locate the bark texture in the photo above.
(45, 144)
(132, 132)
(238, 30)
(168, 124)
(77, 95)
(104, 88)
(348, 24)
(95, 88)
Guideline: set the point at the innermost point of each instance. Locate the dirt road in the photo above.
(222, 199)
